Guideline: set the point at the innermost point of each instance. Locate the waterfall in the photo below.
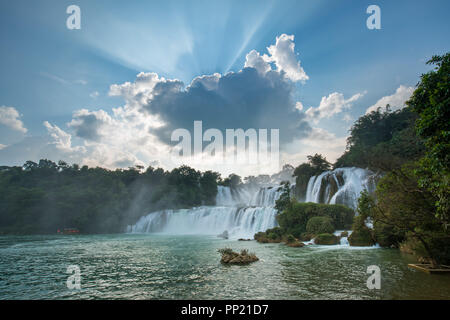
(340, 186)
(249, 208)
(242, 212)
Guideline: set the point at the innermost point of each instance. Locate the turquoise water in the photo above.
(131, 266)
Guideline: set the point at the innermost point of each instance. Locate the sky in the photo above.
(111, 93)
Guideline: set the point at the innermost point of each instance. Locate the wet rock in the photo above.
(231, 257)
(326, 239)
(223, 235)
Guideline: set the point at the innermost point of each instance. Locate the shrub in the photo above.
(326, 238)
(317, 225)
(294, 219)
(361, 235)
(387, 236)
(271, 235)
(290, 239)
(305, 236)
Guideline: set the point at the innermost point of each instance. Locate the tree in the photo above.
(319, 163)
(283, 202)
(382, 140)
(410, 210)
(232, 181)
(208, 187)
(316, 165)
(431, 100)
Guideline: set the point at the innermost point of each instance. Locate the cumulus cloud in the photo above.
(61, 139)
(283, 55)
(261, 63)
(260, 96)
(246, 99)
(332, 104)
(396, 100)
(88, 124)
(318, 140)
(119, 139)
(10, 117)
(56, 145)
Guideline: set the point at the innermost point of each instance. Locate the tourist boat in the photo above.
(68, 231)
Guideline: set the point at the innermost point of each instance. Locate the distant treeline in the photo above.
(46, 196)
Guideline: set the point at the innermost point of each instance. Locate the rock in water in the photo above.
(231, 257)
(224, 235)
(295, 244)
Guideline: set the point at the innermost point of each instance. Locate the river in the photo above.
(155, 266)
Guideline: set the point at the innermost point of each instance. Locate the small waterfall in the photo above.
(242, 212)
(340, 186)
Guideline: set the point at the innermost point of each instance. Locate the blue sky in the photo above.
(50, 72)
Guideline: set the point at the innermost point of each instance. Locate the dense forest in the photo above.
(410, 148)
(43, 197)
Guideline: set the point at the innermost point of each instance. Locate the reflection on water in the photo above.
(184, 267)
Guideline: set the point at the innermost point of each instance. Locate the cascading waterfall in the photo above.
(246, 210)
(340, 186)
(241, 212)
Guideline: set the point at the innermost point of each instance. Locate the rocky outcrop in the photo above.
(361, 237)
(326, 239)
(223, 235)
(231, 257)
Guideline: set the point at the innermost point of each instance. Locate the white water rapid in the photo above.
(246, 210)
(240, 212)
(340, 186)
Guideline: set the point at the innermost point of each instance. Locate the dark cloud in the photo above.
(246, 99)
(87, 124)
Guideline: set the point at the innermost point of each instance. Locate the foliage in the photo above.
(410, 209)
(326, 239)
(290, 239)
(431, 100)
(361, 234)
(317, 225)
(382, 140)
(316, 165)
(232, 181)
(284, 200)
(294, 219)
(43, 197)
